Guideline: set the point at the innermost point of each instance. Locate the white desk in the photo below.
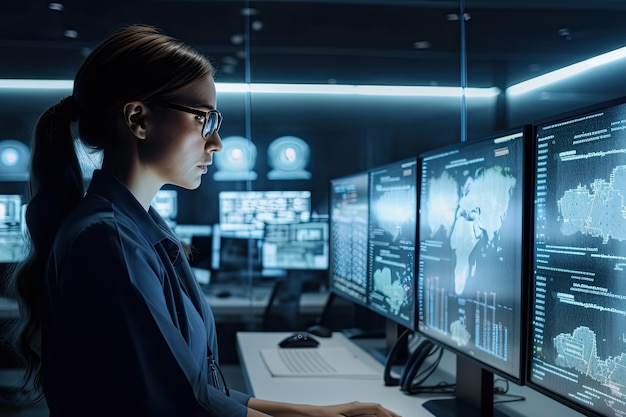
(312, 390)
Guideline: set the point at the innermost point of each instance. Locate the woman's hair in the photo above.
(136, 63)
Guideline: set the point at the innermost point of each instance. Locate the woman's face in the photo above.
(175, 150)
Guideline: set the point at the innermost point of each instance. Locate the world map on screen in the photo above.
(469, 213)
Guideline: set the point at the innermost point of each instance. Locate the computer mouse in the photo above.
(224, 294)
(299, 340)
(319, 330)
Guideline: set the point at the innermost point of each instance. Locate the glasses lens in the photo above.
(212, 124)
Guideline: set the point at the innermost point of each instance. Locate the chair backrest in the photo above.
(283, 308)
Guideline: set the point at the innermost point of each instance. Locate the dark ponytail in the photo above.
(56, 186)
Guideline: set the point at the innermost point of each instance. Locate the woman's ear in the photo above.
(135, 113)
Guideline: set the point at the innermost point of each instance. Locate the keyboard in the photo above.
(317, 362)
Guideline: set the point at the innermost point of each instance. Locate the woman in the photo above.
(113, 320)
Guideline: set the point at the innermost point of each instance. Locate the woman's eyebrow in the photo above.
(204, 106)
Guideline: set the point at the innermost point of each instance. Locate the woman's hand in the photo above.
(352, 409)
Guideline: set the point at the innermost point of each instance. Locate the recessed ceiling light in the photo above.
(421, 45)
(58, 7)
(237, 39)
(229, 60)
(257, 25)
(70, 33)
(565, 34)
(454, 17)
(249, 11)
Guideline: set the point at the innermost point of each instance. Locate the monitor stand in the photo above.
(474, 393)
(393, 331)
(351, 319)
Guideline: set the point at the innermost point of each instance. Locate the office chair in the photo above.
(282, 312)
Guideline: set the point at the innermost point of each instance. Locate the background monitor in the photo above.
(12, 237)
(254, 209)
(392, 231)
(165, 202)
(296, 246)
(578, 333)
(199, 237)
(471, 285)
(236, 254)
(10, 212)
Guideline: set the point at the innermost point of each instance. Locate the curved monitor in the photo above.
(471, 278)
(578, 334)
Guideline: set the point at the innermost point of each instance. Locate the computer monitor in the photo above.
(348, 236)
(578, 336)
(12, 227)
(255, 209)
(236, 254)
(392, 231)
(10, 212)
(295, 246)
(373, 217)
(471, 281)
(199, 241)
(165, 202)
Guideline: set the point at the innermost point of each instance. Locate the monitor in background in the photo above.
(392, 231)
(254, 209)
(471, 286)
(296, 246)
(10, 212)
(578, 336)
(165, 202)
(199, 239)
(236, 254)
(12, 228)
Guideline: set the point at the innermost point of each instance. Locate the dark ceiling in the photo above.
(353, 42)
(388, 42)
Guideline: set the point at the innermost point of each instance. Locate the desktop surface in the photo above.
(318, 390)
(334, 390)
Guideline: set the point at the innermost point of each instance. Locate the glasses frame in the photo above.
(204, 113)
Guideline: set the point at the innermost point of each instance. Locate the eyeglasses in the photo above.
(212, 118)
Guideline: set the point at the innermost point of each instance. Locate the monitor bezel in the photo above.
(527, 131)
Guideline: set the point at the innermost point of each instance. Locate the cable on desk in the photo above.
(413, 378)
(504, 391)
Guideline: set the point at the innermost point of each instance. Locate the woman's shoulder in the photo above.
(96, 217)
